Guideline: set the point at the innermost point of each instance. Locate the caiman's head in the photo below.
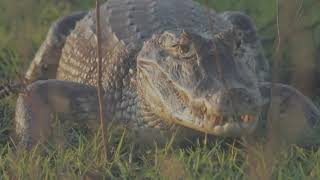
(196, 82)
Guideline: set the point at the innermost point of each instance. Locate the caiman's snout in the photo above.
(235, 99)
(231, 112)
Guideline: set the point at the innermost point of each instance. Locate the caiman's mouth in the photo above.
(221, 125)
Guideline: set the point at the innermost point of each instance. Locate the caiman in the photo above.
(167, 64)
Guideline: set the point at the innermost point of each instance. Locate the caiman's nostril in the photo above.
(228, 101)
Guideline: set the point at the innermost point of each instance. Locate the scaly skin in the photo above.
(161, 70)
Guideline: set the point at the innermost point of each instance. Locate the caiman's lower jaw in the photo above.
(222, 125)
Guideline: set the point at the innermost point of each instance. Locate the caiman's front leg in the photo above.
(295, 115)
(35, 109)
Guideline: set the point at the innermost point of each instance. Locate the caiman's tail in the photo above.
(9, 89)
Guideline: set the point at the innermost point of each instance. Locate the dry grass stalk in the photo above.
(262, 158)
(100, 89)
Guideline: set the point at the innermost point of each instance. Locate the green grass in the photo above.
(81, 156)
(23, 25)
(221, 159)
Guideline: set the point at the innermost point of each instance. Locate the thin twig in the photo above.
(274, 73)
(100, 91)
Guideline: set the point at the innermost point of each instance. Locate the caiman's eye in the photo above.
(180, 46)
(167, 40)
(184, 50)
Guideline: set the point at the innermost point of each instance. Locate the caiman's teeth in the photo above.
(223, 123)
(247, 118)
(252, 118)
(243, 118)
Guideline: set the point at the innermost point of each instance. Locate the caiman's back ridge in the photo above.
(126, 25)
(167, 64)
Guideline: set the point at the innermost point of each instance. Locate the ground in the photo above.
(81, 155)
